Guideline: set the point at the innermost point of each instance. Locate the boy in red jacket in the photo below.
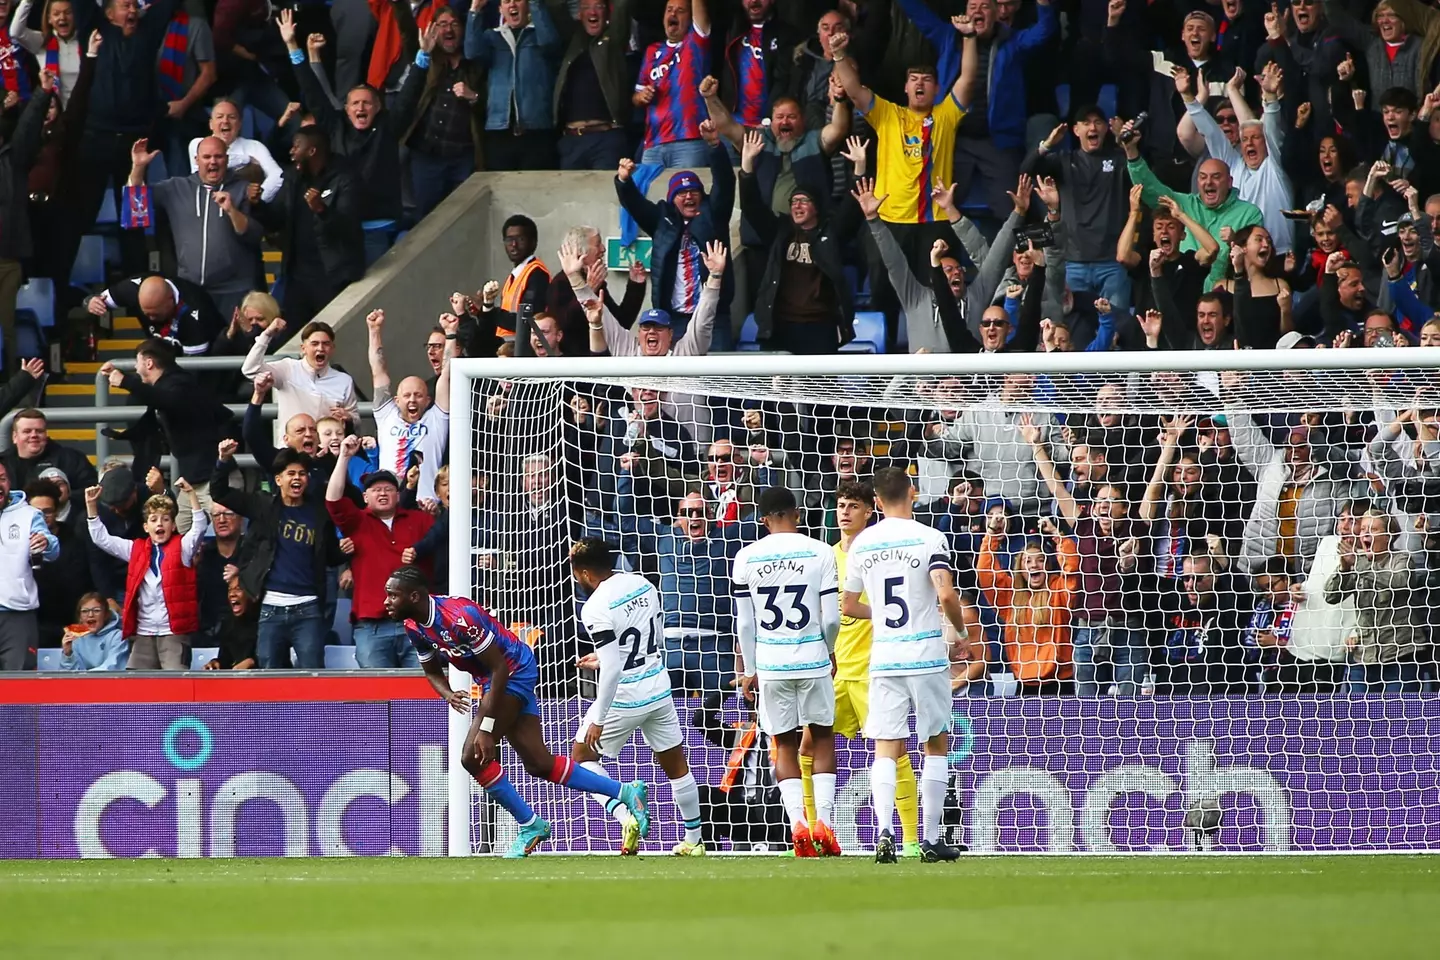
(381, 533)
(162, 598)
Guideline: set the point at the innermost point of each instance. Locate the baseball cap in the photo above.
(655, 317)
(116, 486)
(682, 181)
(1090, 110)
(53, 473)
(379, 476)
(1294, 339)
(804, 191)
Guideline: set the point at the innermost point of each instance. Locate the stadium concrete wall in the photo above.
(347, 777)
(458, 247)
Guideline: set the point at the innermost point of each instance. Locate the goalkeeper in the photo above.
(854, 507)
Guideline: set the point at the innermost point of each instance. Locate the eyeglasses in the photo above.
(91, 611)
(721, 458)
(693, 512)
(434, 346)
(992, 322)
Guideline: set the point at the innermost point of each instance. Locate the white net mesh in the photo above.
(1198, 604)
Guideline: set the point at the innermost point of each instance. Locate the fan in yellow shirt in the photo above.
(915, 143)
(854, 506)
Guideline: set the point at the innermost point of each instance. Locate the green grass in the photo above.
(737, 908)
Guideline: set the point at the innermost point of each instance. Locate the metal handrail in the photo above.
(131, 412)
(102, 399)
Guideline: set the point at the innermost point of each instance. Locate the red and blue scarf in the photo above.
(52, 59)
(173, 54)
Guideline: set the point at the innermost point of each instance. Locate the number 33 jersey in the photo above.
(627, 608)
(786, 576)
(891, 562)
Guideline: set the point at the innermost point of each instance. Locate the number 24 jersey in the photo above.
(891, 562)
(628, 606)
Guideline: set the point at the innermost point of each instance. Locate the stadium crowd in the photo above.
(986, 176)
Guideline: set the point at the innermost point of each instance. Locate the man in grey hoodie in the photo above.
(217, 242)
(923, 322)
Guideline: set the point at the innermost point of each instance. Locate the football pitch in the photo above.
(1051, 907)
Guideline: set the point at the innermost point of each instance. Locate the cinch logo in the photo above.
(206, 812)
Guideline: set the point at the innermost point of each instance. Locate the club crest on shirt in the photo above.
(1107, 166)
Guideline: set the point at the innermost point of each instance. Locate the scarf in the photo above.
(12, 69)
(52, 59)
(173, 54)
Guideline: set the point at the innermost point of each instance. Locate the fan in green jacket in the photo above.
(1214, 204)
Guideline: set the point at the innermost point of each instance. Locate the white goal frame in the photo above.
(464, 372)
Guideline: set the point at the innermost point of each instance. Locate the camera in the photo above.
(1039, 235)
(1127, 135)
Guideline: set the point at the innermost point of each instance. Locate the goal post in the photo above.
(1100, 708)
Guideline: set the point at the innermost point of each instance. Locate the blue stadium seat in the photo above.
(1109, 98)
(247, 122)
(47, 659)
(749, 335)
(199, 656)
(38, 296)
(89, 268)
(1062, 100)
(158, 170)
(338, 657)
(869, 334)
(109, 215)
(342, 627)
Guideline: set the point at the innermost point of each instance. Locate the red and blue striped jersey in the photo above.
(750, 67)
(675, 71)
(459, 629)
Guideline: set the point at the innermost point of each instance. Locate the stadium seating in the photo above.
(89, 269)
(340, 657)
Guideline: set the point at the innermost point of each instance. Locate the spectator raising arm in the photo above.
(849, 73)
(379, 370)
(450, 324)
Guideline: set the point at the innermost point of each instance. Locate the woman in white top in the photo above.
(59, 24)
(225, 123)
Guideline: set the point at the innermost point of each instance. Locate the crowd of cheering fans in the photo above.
(983, 177)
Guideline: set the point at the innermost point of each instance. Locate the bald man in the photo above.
(411, 429)
(175, 310)
(1214, 205)
(300, 434)
(217, 242)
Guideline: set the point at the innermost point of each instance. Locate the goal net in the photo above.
(1199, 589)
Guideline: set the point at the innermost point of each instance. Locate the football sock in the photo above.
(825, 798)
(807, 769)
(687, 798)
(612, 806)
(934, 778)
(567, 774)
(906, 802)
(882, 791)
(492, 778)
(792, 793)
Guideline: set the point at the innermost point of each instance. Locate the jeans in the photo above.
(382, 643)
(594, 151)
(705, 664)
(432, 179)
(1129, 656)
(281, 628)
(1100, 278)
(679, 153)
(1383, 678)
